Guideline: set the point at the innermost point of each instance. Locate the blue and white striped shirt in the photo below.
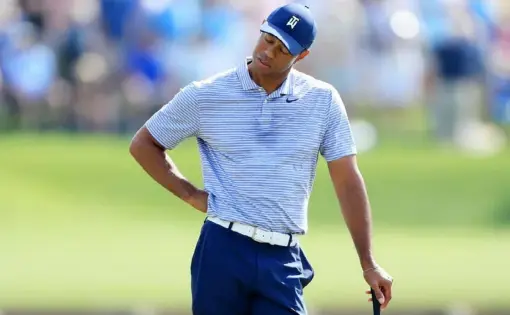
(259, 152)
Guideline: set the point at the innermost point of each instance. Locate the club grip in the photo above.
(375, 303)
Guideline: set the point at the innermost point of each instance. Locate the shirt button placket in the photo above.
(266, 113)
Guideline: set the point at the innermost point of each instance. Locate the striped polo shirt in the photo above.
(259, 152)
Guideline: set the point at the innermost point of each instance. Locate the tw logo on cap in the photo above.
(292, 22)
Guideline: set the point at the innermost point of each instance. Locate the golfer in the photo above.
(261, 128)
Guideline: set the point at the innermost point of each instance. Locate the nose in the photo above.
(270, 52)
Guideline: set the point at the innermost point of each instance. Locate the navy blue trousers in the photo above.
(231, 274)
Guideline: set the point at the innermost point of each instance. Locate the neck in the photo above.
(268, 83)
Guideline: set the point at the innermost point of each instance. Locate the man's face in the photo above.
(271, 57)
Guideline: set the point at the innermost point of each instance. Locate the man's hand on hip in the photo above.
(381, 282)
(198, 200)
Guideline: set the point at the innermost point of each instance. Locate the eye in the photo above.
(284, 51)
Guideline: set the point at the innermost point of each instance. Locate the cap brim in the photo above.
(293, 46)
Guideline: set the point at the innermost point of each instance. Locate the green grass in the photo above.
(82, 225)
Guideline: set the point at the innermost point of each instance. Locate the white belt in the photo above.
(257, 234)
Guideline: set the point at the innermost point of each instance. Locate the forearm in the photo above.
(355, 206)
(161, 168)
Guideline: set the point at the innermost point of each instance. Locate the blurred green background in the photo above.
(82, 227)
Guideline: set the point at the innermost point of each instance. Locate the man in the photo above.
(260, 128)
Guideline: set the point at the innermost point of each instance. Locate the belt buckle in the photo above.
(254, 235)
(258, 239)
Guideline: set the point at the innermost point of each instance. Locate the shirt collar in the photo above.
(248, 84)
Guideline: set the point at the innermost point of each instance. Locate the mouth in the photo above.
(264, 64)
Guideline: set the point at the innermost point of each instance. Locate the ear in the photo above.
(302, 55)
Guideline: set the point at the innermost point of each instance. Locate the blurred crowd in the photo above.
(107, 65)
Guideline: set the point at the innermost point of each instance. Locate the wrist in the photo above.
(198, 199)
(186, 191)
(368, 263)
(191, 195)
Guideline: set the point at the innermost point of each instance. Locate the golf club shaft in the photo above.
(375, 303)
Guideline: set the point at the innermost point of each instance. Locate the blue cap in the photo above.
(294, 25)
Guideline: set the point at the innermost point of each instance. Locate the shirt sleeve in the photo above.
(338, 138)
(178, 119)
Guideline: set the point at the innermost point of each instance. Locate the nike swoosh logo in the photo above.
(290, 100)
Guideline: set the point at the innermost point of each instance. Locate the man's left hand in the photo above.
(381, 282)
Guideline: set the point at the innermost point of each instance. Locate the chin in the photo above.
(264, 70)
